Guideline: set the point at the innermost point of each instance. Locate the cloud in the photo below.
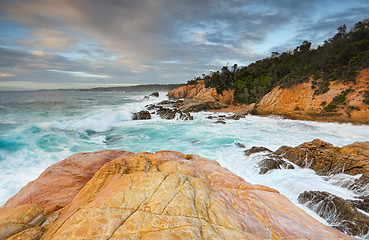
(160, 41)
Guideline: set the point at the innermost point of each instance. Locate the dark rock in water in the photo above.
(146, 97)
(273, 162)
(253, 150)
(167, 102)
(210, 117)
(361, 184)
(166, 113)
(234, 117)
(362, 203)
(169, 113)
(220, 121)
(154, 94)
(240, 145)
(142, 115)
(341, 214)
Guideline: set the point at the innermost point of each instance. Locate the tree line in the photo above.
(340, 57)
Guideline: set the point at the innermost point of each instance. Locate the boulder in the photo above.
(59, 184)
(16, 219)
(142, 115)
(154, 94)
(325, 159)
(273, 162)
(341, 214)
(254, 149)
(169, 195)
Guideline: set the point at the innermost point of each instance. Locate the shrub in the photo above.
(330, 107)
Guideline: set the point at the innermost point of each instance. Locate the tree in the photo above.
(305, 47)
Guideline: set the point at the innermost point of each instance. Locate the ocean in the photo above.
(40, 128)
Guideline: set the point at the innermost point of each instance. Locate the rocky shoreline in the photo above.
(343, 102)
(348, 215)
(165, 195)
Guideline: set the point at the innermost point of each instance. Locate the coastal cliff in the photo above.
(163, 195)
(343, 102)
(200, 92)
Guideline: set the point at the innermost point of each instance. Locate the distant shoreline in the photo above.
(137, 88)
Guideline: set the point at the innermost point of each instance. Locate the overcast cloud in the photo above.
(88, 43)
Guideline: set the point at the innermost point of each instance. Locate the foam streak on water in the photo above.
(38, 129)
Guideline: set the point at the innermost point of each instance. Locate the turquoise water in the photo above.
(38, 129)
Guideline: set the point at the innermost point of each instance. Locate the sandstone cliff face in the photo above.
(299, 102)
(199, 92)
(168, 195)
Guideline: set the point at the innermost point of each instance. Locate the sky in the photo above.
(52, 44)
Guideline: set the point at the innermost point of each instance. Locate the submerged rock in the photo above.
(341, 214)
(169, 195)
(142, 115)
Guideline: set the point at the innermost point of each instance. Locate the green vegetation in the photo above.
(340, 57)
(330, 107)
(337, 100)
(366, 97)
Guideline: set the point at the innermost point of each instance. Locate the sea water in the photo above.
(40, 128)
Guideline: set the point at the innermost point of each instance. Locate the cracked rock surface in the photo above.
(169, 195)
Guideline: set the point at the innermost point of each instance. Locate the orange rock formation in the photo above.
(199, 91)
(299, 102)
(296, 102)
(166, 195)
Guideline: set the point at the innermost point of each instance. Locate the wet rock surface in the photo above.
(338, 212)
(328, 160)
(154, 94)
(325, 159)
(142, 115)
(273, 162)
(254, 149)
(166, 110)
